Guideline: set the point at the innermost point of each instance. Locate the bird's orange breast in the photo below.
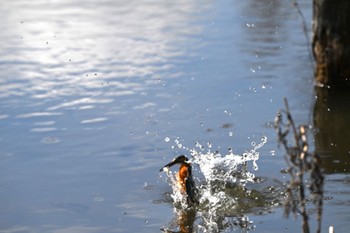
(182, 175)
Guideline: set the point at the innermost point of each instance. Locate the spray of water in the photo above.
(222, 180)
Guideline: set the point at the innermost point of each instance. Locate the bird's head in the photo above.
(178, 160)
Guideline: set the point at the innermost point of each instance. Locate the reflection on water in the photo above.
(61, 49)
(331, 120)
(183, 220)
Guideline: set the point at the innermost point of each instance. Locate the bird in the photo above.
(184, 178)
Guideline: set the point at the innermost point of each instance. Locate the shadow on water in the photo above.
(331, 120)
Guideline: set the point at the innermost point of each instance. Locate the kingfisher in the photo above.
(184, 178)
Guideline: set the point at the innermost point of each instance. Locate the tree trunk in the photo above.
(331, 42)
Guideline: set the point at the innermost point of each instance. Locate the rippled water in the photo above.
(96, 96)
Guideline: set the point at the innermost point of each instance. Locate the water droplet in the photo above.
(252, 89)
(230, 134)
(167, 139)
(255, 165)
(272, 152)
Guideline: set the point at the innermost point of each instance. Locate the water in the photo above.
(96, 96)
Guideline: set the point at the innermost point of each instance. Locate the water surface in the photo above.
(96, 96)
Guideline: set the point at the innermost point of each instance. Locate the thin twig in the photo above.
(300, 163)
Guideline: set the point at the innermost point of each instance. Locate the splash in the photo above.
(229, 168)
(178, 196)
(222, 180)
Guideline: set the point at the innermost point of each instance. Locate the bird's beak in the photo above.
(166, 167)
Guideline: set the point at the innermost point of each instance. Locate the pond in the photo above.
(97, 96)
